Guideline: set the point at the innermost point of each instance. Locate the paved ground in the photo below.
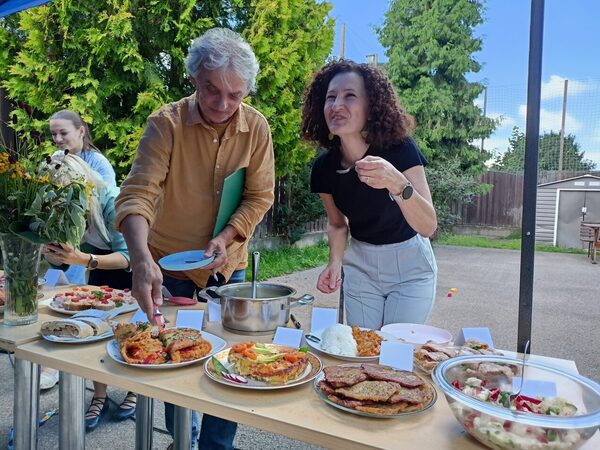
(566, 313)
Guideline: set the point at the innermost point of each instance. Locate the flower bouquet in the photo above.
(33, 210)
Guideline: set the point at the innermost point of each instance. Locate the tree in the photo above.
(117, 61)
(548, 153)
(430, 45)
(291, 39)
(114, 62)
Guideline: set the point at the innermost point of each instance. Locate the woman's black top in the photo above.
(372, 216)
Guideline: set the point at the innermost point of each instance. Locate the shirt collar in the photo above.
(238, 124)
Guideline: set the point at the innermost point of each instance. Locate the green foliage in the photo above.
(117, 61)
(548, 153)
(299, 207)
(114, 62)
(291, 39)
(450, 184)
(36, 208)
(430, 45)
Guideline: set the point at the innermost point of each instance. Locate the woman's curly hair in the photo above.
(387, 122)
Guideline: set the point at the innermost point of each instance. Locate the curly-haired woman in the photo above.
(371, 180)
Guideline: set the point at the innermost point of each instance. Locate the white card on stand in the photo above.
(55, 277)
(322, 318)
(139, 316)
(481, 334)
(396, 355)
(534, 388)
(288, 337)
(214, 311)
(190, 318)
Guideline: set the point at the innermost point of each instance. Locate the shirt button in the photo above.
(218, 192)
(218, 166)
(214, 141)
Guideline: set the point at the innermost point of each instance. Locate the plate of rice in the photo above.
(350, 343)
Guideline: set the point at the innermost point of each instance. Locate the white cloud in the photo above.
(551, 120)
(555, 87)
(505, 121)
(495, 145)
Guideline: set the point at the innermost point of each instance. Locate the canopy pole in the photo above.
(532, 132)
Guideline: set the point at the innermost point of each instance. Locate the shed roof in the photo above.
(587, 177)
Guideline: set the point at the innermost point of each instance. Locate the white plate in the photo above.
(193, 259)
(217, 343)
(71, 340)
(314, 368)
(416, 333)
(127, 307)
(317, 346)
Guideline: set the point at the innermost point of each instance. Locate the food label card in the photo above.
(214, 311)
(139, 316)
(289, 337)
(55, 277)
(534, 388)
(481, 334)
(396, 355)
(190, 319)
(322, 318)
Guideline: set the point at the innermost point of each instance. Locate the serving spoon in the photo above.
(513, 397)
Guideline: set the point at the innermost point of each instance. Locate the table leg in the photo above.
(144, 419)
(26, 404)
(71, 405)
(182, 434)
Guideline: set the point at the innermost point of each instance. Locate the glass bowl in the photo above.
(499, 427)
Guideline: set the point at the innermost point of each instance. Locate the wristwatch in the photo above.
(93, 262)
(405, 193)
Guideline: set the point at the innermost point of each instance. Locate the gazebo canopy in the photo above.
(8, 7)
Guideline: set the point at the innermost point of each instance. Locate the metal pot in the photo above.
(269, 309)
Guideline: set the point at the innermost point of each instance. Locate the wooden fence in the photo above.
(503, 205)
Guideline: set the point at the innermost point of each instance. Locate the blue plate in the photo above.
(185, 260)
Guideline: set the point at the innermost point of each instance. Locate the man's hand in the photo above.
(147, 284)
(217, 247)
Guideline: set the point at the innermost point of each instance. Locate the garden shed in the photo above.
(562, 205)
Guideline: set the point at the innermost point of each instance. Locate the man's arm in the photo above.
(147, 278)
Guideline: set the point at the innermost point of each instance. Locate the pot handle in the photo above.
(306, 299)
(209, 294)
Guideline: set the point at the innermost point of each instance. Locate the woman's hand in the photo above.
(58, 254)
(379, 173)
(330, 279)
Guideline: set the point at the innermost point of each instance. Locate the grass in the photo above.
(282, 261)
(509, 243)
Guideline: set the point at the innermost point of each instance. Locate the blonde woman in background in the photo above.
(102, 251)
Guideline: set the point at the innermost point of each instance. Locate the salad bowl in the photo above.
(478, 390)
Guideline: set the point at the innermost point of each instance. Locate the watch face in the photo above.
(407, 192)
(93, 263)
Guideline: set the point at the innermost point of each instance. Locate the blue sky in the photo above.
(571, 42)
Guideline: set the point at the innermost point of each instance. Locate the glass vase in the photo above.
(21, 261)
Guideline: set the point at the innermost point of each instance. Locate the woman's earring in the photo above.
(364, 134)
(330, 136)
